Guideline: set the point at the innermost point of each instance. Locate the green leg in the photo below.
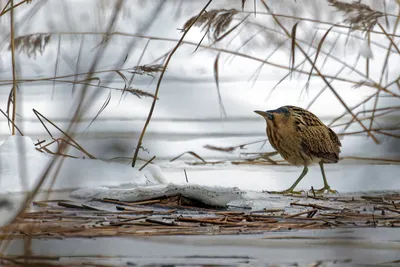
(326, 185)
(290, 190)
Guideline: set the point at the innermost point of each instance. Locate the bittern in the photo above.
(301, 139)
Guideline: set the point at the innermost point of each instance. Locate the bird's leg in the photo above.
(326, 185)
(290, 190)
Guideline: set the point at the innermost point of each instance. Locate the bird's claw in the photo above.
(285, 192)
(326, 189)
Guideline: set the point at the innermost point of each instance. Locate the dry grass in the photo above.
(213, 22)
(31, 44)
(359, 16)
(216, 23)
(265, 24)
(178, 215)
(168, 216)
(168, 58)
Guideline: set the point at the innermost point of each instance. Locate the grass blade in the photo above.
(56, 65)
(78, 61)
(293, 48)
(216, 77)
(318, 50)
(191, 153)
(103, 107)
(123, 78)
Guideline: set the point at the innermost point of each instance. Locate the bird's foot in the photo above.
(326, 189)
(285, 192)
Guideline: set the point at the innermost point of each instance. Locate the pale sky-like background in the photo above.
(188, 109)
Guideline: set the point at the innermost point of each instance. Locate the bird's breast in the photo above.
(289, 145)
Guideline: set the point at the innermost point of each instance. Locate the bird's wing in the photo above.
(316, 138)
(305, 118)
(321, 142)
(334, 137)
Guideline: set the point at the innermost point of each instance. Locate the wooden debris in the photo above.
(173, 216)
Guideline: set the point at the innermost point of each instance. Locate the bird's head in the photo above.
(277, 117)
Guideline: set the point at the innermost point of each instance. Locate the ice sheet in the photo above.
(21, 167)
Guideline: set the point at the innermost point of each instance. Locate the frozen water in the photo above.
(21, 167)
(336, 247)
(344, 177)
(187, 116)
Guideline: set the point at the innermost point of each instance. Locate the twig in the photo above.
(37, 113)
(300, 213)
(147, 163)
(312, 189)
(139, 143)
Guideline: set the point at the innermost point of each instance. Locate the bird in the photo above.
(301, 139)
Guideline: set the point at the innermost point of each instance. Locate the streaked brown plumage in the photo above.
(301, 139)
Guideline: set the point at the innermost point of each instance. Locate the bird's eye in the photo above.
(270, 116)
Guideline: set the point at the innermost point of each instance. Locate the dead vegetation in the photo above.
(213, 22)
(263, 158)
(178, 215)
(263, 24)
(31, 44)
(364, 21)
(359, 16)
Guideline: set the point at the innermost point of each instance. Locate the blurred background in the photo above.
(209, 91)
(90, 68)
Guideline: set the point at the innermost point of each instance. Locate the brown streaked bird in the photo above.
(301, 139)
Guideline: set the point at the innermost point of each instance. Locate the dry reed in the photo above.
(215, 24)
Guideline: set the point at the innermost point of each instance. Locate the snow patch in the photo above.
(212, 195)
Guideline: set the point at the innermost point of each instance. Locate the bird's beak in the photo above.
(265, 114)
(262, 113)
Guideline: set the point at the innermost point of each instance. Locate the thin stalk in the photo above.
(77, 114)
(323, 78)
(139, 144)
(4, 11)
(314, 20)
(204, 46)
(384, 65)
(14, 87)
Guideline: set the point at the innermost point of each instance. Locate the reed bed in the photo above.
(264, 22)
